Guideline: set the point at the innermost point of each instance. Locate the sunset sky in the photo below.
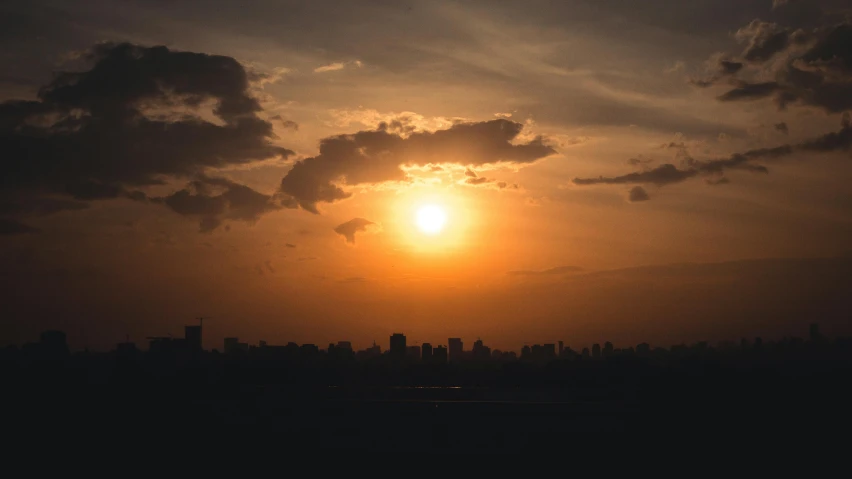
(659, 170)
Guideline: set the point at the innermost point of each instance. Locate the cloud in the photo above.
(355, 225)
(814, 70)
(476, 181)
(214, 200)
(470, 173)
(750, 91)
(763, 39)
(661, 175)
(782, 128)
(376, 156)
(330, 68)
(678, 66)
(723, 69)
(288, 124)
(132, 120)
(636, 194)
(551, 271)
(666, 174)
(717, 181)
(12, 227)
(337, 66)
(289, 245)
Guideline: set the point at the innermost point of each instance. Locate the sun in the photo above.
(431, 219)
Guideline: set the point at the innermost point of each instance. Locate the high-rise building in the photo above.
(397, 345)
(608, 349)
(439, 355)
(426, 352)
(344, 345)
(412, 353)
(596, 350)
(549, 351)
(561, 348)
(481, 351)
(455, 349)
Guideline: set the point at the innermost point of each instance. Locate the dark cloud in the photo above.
(833, 141)
(782, 128)
(489, 182)
(216, 199)
(12, 227)
(551, 271)
(667, 174)
(750, 91)
(376, 156)
(729, 67)
(470, 173)
(131, 120)
(503, 185)
(816, 70)
(637, 193)
(764, 40)
(289, 245)
(476, 181)
(288, 124)
(717, 181)
(661, 175)
(724, 68)
(355, 225)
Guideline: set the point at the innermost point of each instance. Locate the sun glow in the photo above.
(431, 219)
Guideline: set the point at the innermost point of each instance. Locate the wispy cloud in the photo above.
(333, 67)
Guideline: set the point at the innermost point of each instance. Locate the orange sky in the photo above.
(543, 131)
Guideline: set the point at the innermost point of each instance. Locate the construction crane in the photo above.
(201, 320)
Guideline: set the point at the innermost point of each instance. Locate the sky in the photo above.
(664, 171)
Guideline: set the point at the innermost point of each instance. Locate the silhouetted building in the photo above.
(480, 351)
(234, 346)
(456, 350)
(192, 335)
(596, 351)
(526, 352)
(608, 349)
(426, 353)
(585, 353)
(413, 353)
(561, 348)
(53, 344)
(397, 346)
(344, 345)
(439, 355)
(643, 349)
(549, 352)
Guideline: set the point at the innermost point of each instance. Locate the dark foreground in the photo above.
(440, 420)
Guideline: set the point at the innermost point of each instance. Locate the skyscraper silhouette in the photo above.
(397, 346)
(455, 349)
